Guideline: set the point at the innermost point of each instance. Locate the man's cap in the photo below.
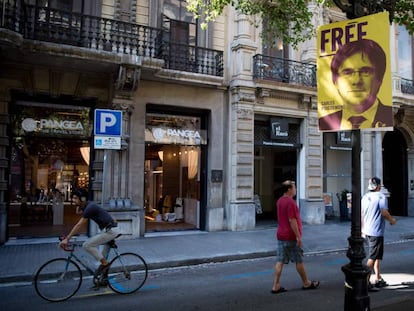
(373, 183)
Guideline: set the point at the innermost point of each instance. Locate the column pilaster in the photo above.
(242, 209)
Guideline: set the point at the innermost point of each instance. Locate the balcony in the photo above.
(284, 70)
(407, 86)
(102, 34)
(192, 59)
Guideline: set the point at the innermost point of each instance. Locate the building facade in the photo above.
(213, 120)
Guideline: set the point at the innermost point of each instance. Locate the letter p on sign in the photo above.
(108, 122)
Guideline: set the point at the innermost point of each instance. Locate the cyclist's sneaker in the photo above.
(102, 269)
(380, 283)
(104, 282)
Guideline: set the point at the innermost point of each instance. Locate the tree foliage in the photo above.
(289, 19)
(403, 14)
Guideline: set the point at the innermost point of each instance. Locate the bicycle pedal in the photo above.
(95, 287)
(99, 285)
(103, 283)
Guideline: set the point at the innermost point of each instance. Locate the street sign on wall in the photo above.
(108, 129)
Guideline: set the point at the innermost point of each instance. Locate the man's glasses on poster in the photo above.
(364, 72)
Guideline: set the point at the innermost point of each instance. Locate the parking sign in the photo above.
(108, 122)
(108, 129)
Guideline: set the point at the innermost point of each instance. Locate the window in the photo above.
(273, 45)
(176, 9)
(405, 63)
(125, 11)
(179, 22)
(64, 5)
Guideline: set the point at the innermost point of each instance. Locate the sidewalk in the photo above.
(19, 259)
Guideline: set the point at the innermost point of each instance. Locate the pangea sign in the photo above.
(175, 136)
(52, 126)
(45, 120)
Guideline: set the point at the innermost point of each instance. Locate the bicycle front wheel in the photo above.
(127, 273)
(58, 279)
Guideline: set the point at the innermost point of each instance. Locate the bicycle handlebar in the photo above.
(70, 247)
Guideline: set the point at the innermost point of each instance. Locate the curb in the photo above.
(26, 278)
(184, 262)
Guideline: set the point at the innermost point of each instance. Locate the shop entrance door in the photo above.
(272, 166)
(172, 187)
(175, 162)
(43, 173)
(395, 171)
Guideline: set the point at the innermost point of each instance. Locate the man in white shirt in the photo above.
(374, 212)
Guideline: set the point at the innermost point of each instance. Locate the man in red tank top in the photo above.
(289, 238)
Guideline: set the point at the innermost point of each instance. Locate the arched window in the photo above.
(273, 45)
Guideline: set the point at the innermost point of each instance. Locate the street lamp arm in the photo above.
(346, 8)
(359, 8)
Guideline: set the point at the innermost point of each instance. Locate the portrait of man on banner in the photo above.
(354, 76)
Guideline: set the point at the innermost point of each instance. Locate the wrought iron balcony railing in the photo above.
(407, 86)
(77, 29)
(284, 70)
(192, 58)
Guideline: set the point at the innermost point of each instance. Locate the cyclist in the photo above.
(107, 225)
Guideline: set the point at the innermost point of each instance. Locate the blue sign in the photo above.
(108, 122)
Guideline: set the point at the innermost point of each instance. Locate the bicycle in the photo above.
(60, 278)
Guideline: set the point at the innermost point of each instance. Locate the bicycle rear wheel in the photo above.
(58, 279)
(127, 273)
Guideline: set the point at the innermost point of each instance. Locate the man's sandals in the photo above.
(313, 285)
(279, 291)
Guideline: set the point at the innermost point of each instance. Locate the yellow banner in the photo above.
(354, 74)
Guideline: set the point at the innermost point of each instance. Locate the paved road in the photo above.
(237, 285)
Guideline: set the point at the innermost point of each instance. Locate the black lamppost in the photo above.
(356, 273)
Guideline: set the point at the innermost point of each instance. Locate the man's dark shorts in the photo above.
(376, 247)
(288, 251)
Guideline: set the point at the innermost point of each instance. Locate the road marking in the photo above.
(16, 284)
(147, 287)
(247, 275)
(336, 262)
(108, 291)
(407, 252)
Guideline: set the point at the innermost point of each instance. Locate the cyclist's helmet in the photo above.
(81, 193)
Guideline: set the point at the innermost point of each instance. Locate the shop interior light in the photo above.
(192, 164)
(85, 152)
(161, 155)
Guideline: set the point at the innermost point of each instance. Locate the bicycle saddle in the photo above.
(112, 243)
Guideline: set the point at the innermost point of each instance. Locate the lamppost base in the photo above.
(356, 288)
